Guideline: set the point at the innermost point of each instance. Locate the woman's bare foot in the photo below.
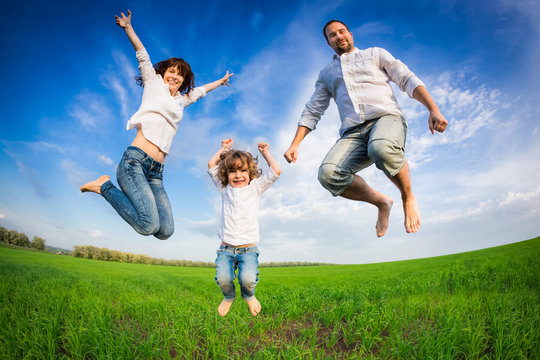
(412, 215)
(224, 307)
(384, 214)
(254, 306)
(95, 186)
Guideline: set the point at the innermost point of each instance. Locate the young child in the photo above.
(241, 185)
(168, 88)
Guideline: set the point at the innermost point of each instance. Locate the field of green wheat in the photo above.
(477, 305)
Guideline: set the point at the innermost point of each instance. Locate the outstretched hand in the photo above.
(225, 80)
(437, 122)
(124, 20)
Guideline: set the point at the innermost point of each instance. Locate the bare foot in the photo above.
(95, 186)
(412, 215)
(224, 307)
(384, 214)
(254, 306)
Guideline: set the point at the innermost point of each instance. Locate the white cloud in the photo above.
(95, 111)
(120, 79)
(2, 216)
(469, 109)
(95, 233)
(105, 160)
(266, 86)
(522, 198)
(372, 28)
(91, 110)
(34, 178)
(76, 175)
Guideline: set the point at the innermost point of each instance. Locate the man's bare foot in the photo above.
(224, 307)
(95, 186)
(254, 306)
(384, 214)
(412, 215)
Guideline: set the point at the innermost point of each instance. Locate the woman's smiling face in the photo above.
(173, 78)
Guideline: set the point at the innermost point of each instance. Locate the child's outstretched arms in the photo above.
(125, 23)
(264, 149)
(215, 84)
(226, 145)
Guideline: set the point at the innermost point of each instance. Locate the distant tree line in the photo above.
(21, 239)
(97, 253)
(93, 252)
(292, 263)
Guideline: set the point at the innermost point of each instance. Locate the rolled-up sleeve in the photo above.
(266, 180)
(398, 72)
(213, 172)
(194, 95)
(316, 106)
(145, 65)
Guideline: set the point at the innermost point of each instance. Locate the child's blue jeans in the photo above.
(141, 200)
(230, 258)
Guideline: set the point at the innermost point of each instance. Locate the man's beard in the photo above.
(342, 49)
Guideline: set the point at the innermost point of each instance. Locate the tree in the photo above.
(103, 254)
(3, 234)
(39, 243)
(12, 237)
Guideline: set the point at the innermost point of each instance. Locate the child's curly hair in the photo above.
(237, 159)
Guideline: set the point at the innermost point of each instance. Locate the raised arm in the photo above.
(292, 153)
(225, 146)
(214, 85)
(311, 115)
(125, 23)
(436, 120)
(264, 149)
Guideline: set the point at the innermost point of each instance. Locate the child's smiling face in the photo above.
(238, 177)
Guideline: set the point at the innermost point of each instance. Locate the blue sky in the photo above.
(68, 91)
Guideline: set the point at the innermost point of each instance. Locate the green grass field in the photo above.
(477, 305)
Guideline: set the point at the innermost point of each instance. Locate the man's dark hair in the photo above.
(333, 21)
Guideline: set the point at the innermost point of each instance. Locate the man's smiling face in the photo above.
(339, 38)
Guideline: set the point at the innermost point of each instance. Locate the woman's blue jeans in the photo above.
(246, 260)
(142, 201)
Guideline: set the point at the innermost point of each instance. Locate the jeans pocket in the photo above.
(253, 250)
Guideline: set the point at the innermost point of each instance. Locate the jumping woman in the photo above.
(168, 87)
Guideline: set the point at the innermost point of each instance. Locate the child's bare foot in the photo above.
(254, 306)
(384, 214)
(95, 186)
(412, 215)
(224, 307)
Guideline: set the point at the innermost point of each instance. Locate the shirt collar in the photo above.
(336, 56)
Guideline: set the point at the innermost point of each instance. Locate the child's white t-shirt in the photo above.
(240, 208)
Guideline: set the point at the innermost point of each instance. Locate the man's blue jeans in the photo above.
(247, 261)
(380, 141)
(142, 201)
